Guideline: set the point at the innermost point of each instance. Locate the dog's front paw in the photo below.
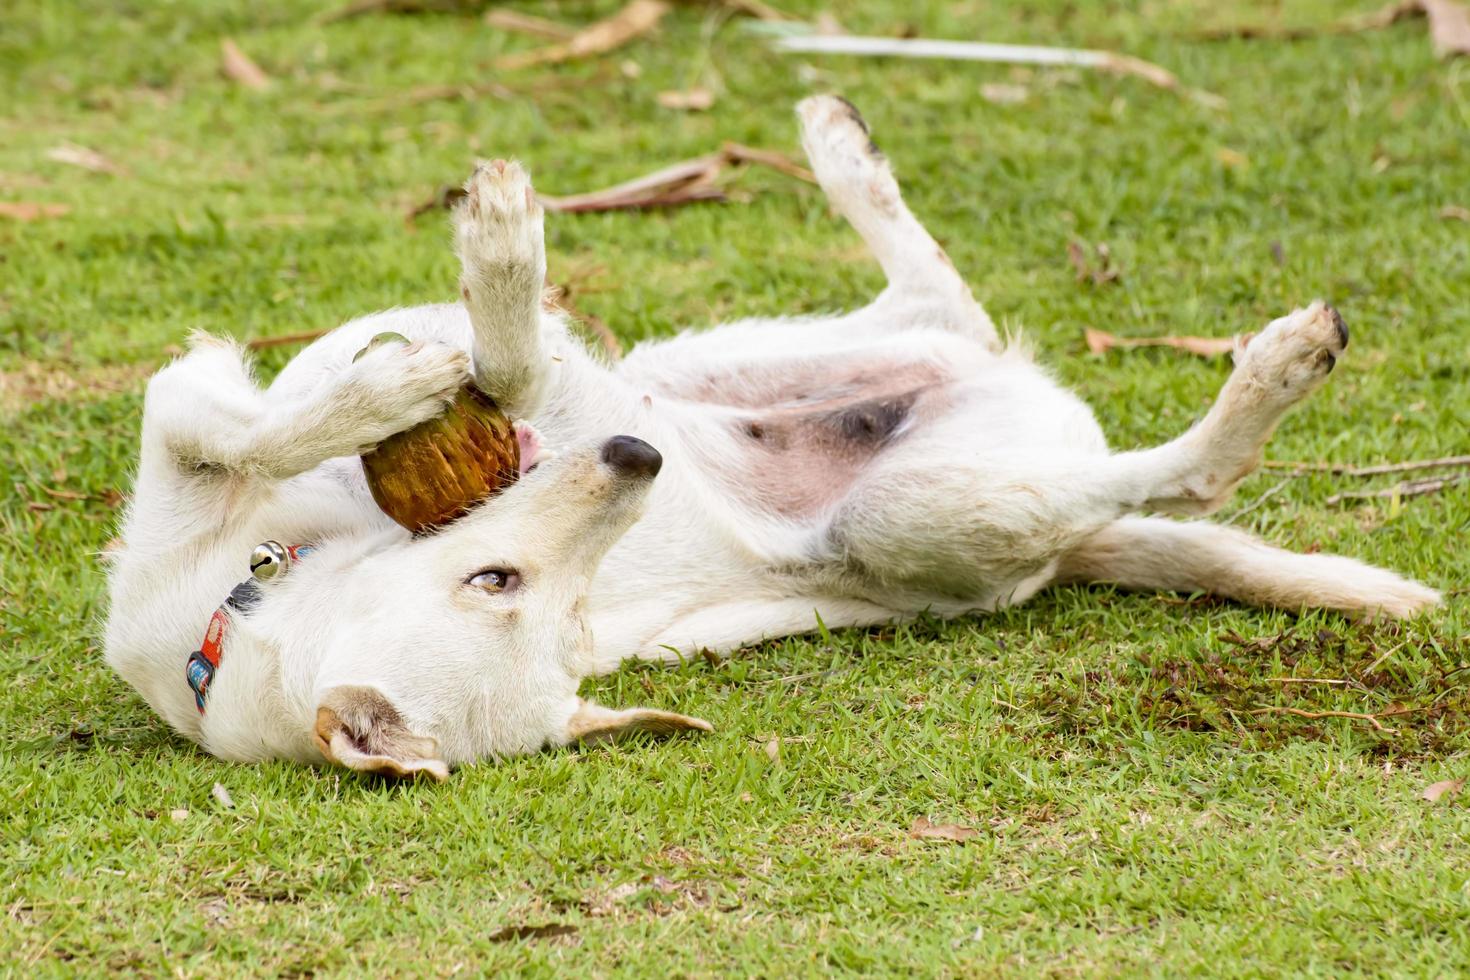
(1293, 355)
(398, 386)
(498, 232)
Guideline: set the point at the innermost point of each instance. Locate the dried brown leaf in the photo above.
(689, 100)
(519, 23)
(284, 340)
(633, 21)
(1125, 64)
(1100, 342)
(1105, 272)
(827, 24)
(1445, 787)
(87, 159)
(1453, 212)
(1232, 158)
(13, 181)
(1002, 93)
(238, 67)
(1078, 258)
(31, 210)
(1449, 27)
(922, 829)
(773, 748)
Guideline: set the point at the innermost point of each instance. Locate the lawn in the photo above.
(1141, 804)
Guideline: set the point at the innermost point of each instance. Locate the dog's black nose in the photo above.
(631, 456)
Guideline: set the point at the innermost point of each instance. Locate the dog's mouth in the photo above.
(533, 450)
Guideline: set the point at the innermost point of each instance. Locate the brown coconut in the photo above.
(427, 476)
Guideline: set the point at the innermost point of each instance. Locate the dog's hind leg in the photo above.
(1194, 556)
(923, 285)
(502, 252)
(931, 520)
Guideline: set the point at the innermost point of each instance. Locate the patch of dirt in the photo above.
(1323, 677)
(35, 382)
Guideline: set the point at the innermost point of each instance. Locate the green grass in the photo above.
(1135, 815)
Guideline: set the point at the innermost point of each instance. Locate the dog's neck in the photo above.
(260, 700)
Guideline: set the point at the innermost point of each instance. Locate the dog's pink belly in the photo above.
(804, 436)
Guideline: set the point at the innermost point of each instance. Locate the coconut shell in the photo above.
(427, 476)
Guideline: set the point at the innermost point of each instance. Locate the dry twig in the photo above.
(559, 297)
(739, 153)
(1352, 469)
(1261, 499)
(1357, 715)
(685, 182)
(634, 20)
(1409, 488)
(285, 339)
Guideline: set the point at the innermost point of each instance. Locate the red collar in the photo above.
(202, 663)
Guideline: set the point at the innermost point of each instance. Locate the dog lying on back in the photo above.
(860, 468)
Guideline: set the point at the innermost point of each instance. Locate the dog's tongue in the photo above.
(532, 450)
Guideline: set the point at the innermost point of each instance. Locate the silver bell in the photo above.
(268, 560)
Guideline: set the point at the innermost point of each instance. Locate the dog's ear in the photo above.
(591, 722)
(359, 728)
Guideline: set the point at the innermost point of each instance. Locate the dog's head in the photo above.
(469, 643)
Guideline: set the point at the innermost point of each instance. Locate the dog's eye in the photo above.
(495, 580)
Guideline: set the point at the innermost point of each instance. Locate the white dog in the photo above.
(862, 468)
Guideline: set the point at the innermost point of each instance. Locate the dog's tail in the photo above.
(1195, 556)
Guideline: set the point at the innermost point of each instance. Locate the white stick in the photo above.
(900, 47)
(1010, 54)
